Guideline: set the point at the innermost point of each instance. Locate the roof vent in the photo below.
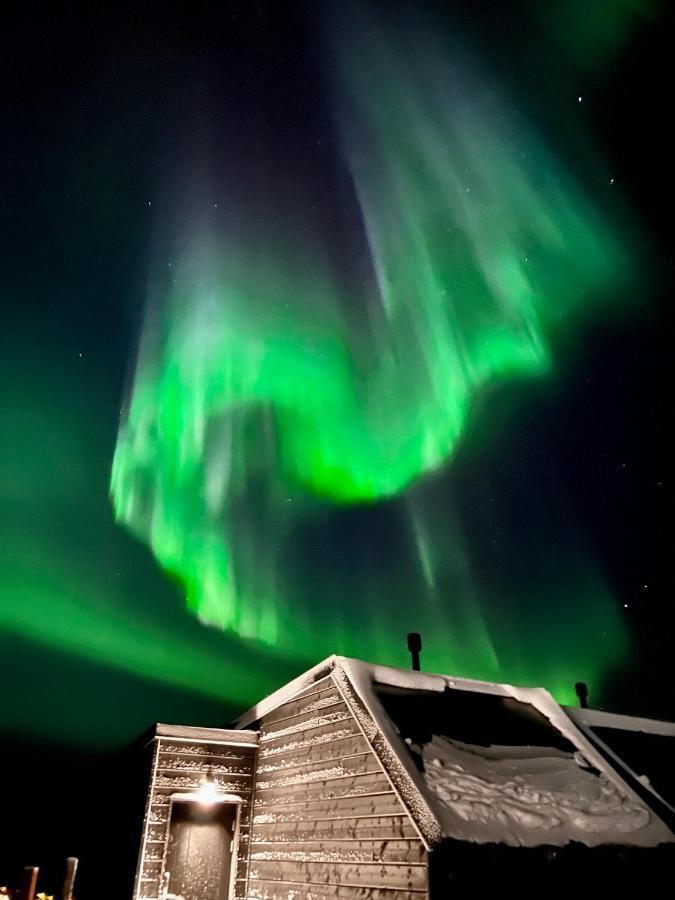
(414, 646)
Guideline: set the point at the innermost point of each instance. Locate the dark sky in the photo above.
(98, 110)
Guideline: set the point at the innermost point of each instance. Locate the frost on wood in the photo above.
(188, 749)
(306, 742)
(526, 796)
(325, 892)
(185, 781)
(327, 790)
(309, 679)
(321, 703)
(354, 856)
(157, 818)
(338, 771)
(200, 766)
(355, 685)
(346, 749)
(315, 722)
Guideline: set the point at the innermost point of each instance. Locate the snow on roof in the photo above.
(590, 720)
(519, 796)
(528, 796)
(596, 718)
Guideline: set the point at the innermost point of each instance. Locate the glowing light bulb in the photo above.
(207, 792)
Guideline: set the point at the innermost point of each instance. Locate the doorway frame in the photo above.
(193, 797)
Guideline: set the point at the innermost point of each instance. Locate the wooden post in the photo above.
(69, 879)
(28, 884)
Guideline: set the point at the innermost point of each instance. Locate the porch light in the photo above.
(207, 792)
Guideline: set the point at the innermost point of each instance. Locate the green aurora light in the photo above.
(267, 393)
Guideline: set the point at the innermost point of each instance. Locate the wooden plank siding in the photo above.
(342, 849)
(180, 764)
(339, 747)
(344, 873)
(278, 890)
(343, 729)
(351, 828)
(386, 804)
(327, 823)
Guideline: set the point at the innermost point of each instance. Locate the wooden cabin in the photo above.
(363, 782)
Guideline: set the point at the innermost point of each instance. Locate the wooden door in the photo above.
(199, 855)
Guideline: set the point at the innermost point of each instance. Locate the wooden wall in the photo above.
(180, 763)
(327, 822)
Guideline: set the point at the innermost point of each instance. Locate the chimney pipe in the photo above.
(581, 689)
(414, 646)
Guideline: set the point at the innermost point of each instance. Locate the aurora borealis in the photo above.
(365, 321)
(269, 390)
(321, 333)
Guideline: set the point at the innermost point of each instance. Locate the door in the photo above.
(199, 862)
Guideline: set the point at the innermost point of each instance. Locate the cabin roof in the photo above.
(490, 762)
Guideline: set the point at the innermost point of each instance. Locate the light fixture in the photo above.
(207, 792)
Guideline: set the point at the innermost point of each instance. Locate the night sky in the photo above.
(299, 163)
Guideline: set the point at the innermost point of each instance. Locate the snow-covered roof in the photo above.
(605, 729)
(596, 718)
(518, 795)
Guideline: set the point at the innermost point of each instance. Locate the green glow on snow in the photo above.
(258, 402)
